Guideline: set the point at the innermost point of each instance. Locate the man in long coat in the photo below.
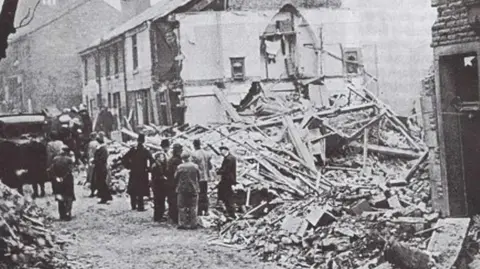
(138, 160)
(172, 164)
(101, 170)
(203, 160)
(228, 173)
(63, 185)
(187, 176)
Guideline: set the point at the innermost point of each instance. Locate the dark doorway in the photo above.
(461, 131)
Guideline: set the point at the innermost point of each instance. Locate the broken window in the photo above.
(238, 68)
(134, 52)
(352, 61)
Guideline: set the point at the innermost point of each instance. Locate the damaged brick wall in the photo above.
(451, 26)
(275, 4)
(439, 191)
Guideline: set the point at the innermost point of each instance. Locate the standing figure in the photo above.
(159, 186)
(203, 160)
(187, 176)
(136, 159)
(228, 173)
(63, 186)
(172, 165)
(92, 147)
(105, 121)
(165, 145)
(101, 170)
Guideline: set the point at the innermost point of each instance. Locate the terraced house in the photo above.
(42, 63)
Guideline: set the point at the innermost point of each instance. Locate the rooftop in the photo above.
(159, 10)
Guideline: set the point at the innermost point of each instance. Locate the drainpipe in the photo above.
(123, 42)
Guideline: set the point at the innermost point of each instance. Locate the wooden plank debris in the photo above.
(399, 153)
(300, 147)
(232, 113)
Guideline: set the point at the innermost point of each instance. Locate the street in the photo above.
(114, 237)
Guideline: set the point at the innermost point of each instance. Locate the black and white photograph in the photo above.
(239, 134)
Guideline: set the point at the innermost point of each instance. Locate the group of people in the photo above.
(180, 179)
(61, 167)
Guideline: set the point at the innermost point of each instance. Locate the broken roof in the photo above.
(159, 10)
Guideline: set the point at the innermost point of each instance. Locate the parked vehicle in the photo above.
(23, 151)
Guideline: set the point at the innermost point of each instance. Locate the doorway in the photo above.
(461, 132)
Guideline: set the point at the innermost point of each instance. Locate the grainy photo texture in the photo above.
(239, 134)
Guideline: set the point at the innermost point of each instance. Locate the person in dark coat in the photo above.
(165, 144)
(159, 186)
(137, 160)
(187, 176)
(228, 173)
(101, 170)
(172, 165)
(63, 186)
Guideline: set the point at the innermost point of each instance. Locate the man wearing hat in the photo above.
(138, 159)
(173, 162)
(101, 170)
(228, 173)
(63, 186)
(187, 176)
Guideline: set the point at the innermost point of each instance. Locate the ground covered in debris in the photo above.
(112, 236)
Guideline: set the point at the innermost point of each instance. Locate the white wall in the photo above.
(139, 78)
(402, 36)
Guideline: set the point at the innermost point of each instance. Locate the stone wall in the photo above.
(451, 26)
(428, 104)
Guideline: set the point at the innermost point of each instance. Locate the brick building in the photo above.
(42, 63)
(455, 150)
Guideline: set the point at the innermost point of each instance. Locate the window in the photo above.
(352, 59)
(134, 52)
(85, 70)
(98, 68)
(115, 59)
(109, 100)
(238, 68)
(107, 62)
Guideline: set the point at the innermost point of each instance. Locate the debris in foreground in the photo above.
(26, 241)
(319, 187)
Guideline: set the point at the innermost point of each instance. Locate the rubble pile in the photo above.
(341, 180)
(25, 241)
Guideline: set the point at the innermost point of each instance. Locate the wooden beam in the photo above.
(232, 113)
(365, 149)
(400, 153)
(296, 140)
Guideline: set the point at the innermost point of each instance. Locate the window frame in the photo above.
(135, 52)
(358, 62)
(107, 63)
(85, 70)
(116, 68)
(233, 61)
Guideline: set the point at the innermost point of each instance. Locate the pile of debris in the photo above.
(25, 241)
(319, 185)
